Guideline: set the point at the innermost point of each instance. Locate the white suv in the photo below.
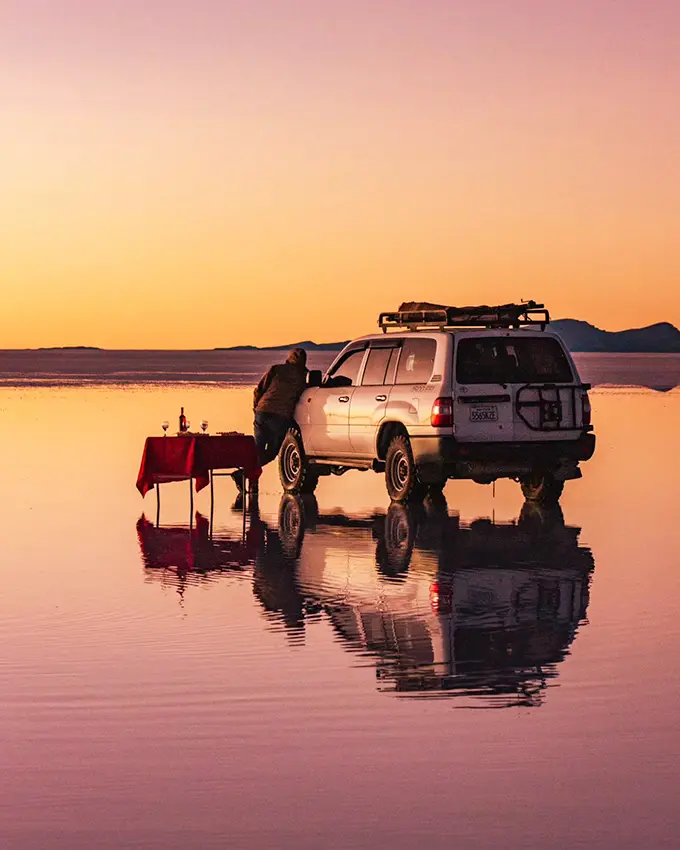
(477, 392)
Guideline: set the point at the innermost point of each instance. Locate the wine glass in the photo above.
(165, 425)
(204, 425)
(188, 425)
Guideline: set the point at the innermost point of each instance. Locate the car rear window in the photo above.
(417, 361)
(512, 360)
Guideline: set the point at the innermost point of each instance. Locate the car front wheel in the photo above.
(294, 470)
(401, 475)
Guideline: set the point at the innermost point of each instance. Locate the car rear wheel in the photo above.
(401, 475)
(542, 487)
(294, 470)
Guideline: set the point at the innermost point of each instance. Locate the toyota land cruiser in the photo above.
(442, 392)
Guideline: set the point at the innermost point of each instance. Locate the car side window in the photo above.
(417, 361)
(376, 367)
(345, 374)
(391, 371)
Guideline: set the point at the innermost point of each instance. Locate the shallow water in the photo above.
(345, 674)
(67, 367)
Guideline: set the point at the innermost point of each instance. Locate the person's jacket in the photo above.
(280, 389)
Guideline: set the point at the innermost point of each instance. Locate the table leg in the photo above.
(212, 503)
(158, 504)
(191, 499)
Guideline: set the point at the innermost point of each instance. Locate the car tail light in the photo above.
(442, 413)
(441, 598)
(585, 406)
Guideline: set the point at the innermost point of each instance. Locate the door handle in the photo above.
(381, 398)
(343, 398)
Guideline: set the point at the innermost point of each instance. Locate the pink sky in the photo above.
(332, 159)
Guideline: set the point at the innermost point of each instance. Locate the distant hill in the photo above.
(661, 338)
(308, 345)
(70, 348)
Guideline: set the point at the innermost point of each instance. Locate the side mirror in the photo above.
(314, 378)
(340, 381)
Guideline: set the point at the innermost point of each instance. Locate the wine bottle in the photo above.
(182, 420)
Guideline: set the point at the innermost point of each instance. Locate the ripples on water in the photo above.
(485, 612)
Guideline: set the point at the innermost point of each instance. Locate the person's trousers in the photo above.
(270, 431)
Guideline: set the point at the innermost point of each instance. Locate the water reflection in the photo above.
(482, 611)
(178, 556)
(506, 604)
(276, 583)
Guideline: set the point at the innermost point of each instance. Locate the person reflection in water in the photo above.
(274, 402)
(275, 578)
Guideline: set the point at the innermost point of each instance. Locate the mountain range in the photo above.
(660, 338)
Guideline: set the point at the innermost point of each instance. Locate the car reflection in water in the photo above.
(481, 611)
(486, 610)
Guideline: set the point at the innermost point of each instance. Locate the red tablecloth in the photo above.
(179, 458)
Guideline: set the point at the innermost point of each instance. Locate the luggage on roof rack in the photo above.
(421, 314)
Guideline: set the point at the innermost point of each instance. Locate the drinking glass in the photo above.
(204, 425)
(165, 425)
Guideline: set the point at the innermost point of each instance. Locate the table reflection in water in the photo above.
(181, 555)
(481, 611)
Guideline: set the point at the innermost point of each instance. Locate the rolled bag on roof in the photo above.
(421, 311)
(418, 306)
(424, 311)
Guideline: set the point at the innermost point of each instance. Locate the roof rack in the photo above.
(414, 315)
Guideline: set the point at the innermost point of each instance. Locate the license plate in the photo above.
(484, 413)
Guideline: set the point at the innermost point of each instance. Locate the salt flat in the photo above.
(349, 674)
(51, 367)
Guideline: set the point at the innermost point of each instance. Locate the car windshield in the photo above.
(512, 360)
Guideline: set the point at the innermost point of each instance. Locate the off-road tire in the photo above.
(291, 525)
(395, 544)
(541, 487)
(401, 474)
(294, 469)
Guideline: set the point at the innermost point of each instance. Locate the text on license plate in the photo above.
(484, 413)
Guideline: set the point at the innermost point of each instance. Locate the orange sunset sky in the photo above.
(193, 174)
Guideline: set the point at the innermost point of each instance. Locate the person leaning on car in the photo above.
(274, 401)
